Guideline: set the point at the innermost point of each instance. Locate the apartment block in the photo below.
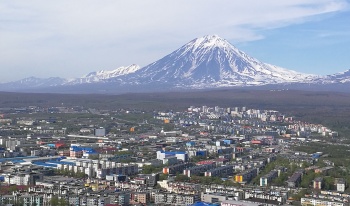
(196, 170)
(320, 202)
(266, 179)
(222, 171)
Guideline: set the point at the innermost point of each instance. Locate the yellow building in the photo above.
(239, 178)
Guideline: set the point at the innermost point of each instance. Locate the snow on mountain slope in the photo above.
(342, 77)
(211, 61)
(33, 82)
(205, 62)
(103, 75)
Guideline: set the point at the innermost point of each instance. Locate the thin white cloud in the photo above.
(327, 34)
(70, 38)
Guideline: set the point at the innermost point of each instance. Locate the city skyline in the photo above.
(70, 39)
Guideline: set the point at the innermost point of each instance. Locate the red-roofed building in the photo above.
(60, 145)
(205, 162)
(256, 142)
(239, 149)
(204, 133)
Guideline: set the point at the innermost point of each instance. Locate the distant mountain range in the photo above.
(204, 63)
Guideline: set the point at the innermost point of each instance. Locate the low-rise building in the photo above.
(340, 184)
(246, 176)
(295, 179)
(175, 199)
(317, 183)
(320, 202)
(266, 179)
(222, 171)
(196, 170)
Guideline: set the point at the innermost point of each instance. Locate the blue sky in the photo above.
(320, 46)
(72, 38)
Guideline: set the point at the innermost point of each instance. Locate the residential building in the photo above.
(246, 176)
(320, 202)
(217, 197)
(173, 169)
(266, 179)
(222, 171)
(196, 170)
(124, 198)
(178, 154)
(295, 179)
(175, 199)
(100, 132)
(340, 184)
(317, 183)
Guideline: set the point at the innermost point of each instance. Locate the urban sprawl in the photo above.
(201, 156)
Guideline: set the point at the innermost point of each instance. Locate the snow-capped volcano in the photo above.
(205, 62)
(211, 61)
(103, 75)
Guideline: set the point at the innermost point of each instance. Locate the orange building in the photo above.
(239, 178)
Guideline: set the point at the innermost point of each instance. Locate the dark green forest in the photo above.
(328, 108)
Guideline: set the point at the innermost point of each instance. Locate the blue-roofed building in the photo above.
(16, 161)
(78, 152)
(316, 155)
(89, 153)
(202, 153)
(51, 145)
(15, 158)
(45, 164)
(67, 163)
(53, 163)
(228, 141)
(76, 148)
(190, 144)
(205, 204)
(61, 158)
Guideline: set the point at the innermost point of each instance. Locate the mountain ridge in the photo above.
(205, 62)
